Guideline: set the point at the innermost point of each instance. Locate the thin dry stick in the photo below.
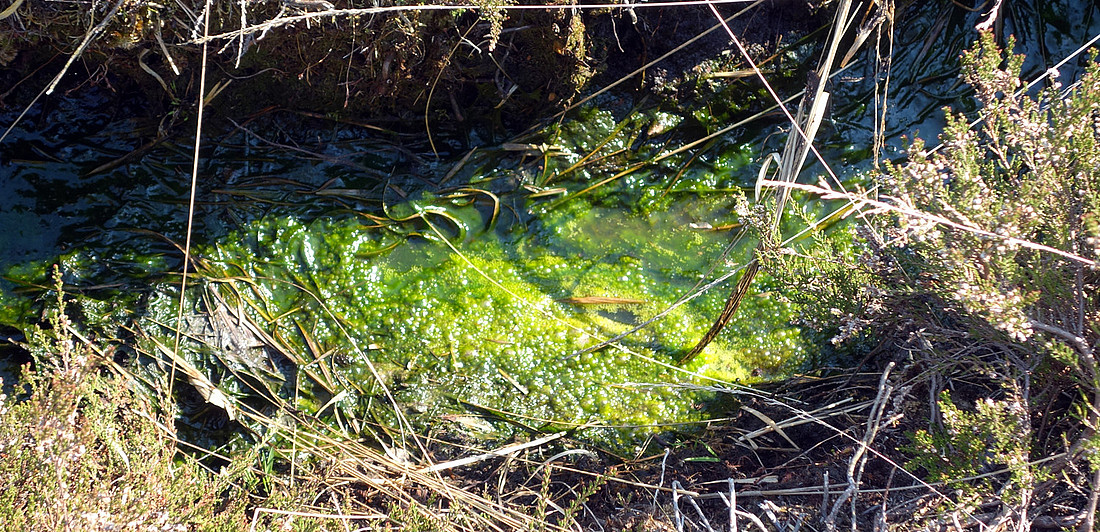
(732, 302)
(191, 197)
(431, 91)
(702, 516)
(678, 518)
(732, 502)
(880, 119)
(859, 457)
(733, 506)
(92, 34)
(661, 480)
(496, 453)
(240, 40)
(1090, 514)
(880, 206)
(343, 517)
(351, 13)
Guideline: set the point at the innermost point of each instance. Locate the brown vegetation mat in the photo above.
(838, 450)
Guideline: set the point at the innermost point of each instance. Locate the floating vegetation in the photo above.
(483, 289)
(494, 325)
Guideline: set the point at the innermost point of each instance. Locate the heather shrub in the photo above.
(82, 448)
(1028, 174)
(985, 251)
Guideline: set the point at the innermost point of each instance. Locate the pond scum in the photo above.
(460, 305)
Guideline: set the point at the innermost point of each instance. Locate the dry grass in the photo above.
(82, 451)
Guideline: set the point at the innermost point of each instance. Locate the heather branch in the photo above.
(826, 192)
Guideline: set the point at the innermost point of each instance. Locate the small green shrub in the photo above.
(994, 435)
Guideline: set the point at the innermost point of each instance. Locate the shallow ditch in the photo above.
(472, 284)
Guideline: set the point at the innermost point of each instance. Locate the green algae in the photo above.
(493, 326)
(363, 281)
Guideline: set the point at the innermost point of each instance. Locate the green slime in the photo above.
(501, 324)
(490, 326)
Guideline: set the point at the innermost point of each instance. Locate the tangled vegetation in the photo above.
(1017, 273)
(363, 59)
(979, 280)
(973, 290)
(81, 450)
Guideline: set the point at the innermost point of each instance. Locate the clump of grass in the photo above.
(80, 449)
